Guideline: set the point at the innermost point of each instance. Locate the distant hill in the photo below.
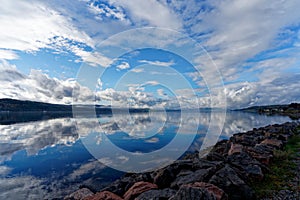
(16, 111)
(292, 110)
(25, 106)
(14, 105)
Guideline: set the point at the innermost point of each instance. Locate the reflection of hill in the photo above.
(17, 111)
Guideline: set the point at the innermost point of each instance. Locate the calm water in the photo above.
(51, 158)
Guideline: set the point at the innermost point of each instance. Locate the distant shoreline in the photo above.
(291, 110)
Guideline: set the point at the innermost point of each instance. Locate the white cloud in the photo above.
(151, 83)
(137, 70)
(151, 12)
(101, 10)
(122, 66)
(161, 92)
(92, 58)
(244, 29)
(158, 63)
(8, 55)
(38, 86)
(232, 32)
(31, 25)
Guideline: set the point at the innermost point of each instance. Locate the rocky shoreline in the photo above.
(226, 172)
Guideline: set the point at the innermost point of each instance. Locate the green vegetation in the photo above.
(282, 170)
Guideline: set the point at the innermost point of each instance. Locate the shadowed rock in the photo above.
(228, 180)
(191, 191)
(105, 195)
(246, 166)
(197, 176)
(218, 193)
(157, 194)
(165, 176)
(120, 186)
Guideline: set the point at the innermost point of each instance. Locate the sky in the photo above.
(151, 53)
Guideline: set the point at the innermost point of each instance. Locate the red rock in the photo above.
(235, 148)
(218, 193)
(80, 194)
(264, 158)
(138, 188)
(273, 142)
(105, 195)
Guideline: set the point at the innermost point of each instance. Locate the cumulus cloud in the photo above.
(38, 86)
(252, 43)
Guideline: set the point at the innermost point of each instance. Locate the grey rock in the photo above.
(165, 176)
(187, 192)
(198, 176)
(79, 194)
(157, 194)
(246, 166)
(228, 180)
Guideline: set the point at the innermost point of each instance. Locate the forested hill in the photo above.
(19, 106)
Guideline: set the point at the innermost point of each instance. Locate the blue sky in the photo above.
(154, 53)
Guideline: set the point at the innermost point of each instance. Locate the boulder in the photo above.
(246, 165)
(163, 177)
(229, 181)
(260, 156)
(244, 139)
(79, 194)
(105, 195)
(263, 149)
(283, 137)
(218, 193)
(190, 192)
(197, 176)
(235, 148)
(273, 143)
(184, 172)
(204, 164)
(157, 194)
(138, 188)
(121, 185)
(214, 156)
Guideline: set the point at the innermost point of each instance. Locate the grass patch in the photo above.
(282, 169)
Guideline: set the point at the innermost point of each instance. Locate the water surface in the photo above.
(50, 158)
